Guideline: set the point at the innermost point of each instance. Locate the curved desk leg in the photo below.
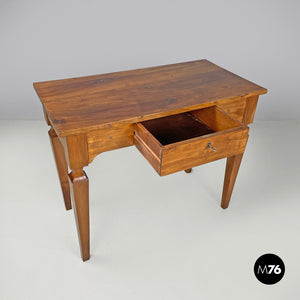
(79, 184)
(62, 167)
(232, 168)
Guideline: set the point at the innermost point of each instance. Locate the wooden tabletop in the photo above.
(82, 104)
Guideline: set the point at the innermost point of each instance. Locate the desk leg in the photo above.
(188, 170)
(232, 168)
(79, 184)
(62, 167)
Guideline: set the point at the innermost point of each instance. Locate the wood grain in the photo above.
(62, 167)
(234, 107)
(148, 138)
(188, 155)
(232, 168)
(148, 153)
(119, 135)
(92, 114)
(79, 184)
(250, 109)
(84, 104)
(216, 118)
(228, 138)
(109, 138)
(76, 151)
(175, 128)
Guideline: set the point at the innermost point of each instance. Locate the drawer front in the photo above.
(227, 137)
(195, 153)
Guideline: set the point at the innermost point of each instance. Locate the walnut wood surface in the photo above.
(79, 184)
(175, 128)
(187, 155)
(62, 167)
(148, 138)
(235, 107)
(216, 118)
(229, 138)
(148, 153)
(113, 137)
(76, 151)
(119, 135)
(83, 104)
(93, 114)
(250, 108)
(232, 168)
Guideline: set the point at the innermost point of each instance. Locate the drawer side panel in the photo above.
(154, 160)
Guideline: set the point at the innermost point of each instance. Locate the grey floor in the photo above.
(151, 237)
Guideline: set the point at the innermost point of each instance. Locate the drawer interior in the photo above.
(184, 126)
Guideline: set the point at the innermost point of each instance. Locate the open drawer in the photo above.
(179, 142)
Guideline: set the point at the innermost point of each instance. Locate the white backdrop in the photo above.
(45, 40)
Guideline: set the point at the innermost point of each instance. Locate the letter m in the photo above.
(262, 270)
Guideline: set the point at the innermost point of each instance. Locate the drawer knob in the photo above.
(210, 146)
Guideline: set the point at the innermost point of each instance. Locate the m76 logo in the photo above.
(269, 269)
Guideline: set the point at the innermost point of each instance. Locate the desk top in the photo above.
(82, 104)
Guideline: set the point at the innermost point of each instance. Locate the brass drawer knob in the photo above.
(210, 146)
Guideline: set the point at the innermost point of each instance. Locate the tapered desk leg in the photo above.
(232, 168)
(62, 167)
(79, 184)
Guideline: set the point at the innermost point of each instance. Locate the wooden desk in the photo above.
(178, 116)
